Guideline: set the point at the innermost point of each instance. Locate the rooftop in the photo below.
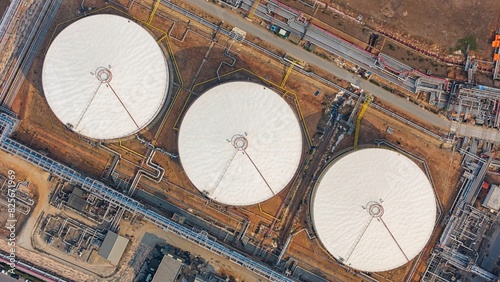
(113, 247)
(168, 270)
(492, 200)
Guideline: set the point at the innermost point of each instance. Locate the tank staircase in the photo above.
(358, 239)
(211, 191)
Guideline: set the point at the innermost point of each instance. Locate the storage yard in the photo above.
(195, 178)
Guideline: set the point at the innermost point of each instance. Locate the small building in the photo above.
(492, 200)
(294, 38)
(168, 270)
(309, 46)
(279, 31)
(76, 200)
(113, 247)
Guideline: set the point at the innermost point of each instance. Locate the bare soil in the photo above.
(439, 25)
(443, 23)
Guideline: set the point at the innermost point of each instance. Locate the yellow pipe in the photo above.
(253, 8)
(153, 12)
(268, 214)
(101, 9)
(161, 39)
(366, 103)
(288, 72)
(164, 37)
(182, 110)
(301, 116)
(164, 121)
(212, 79)
(177, 69)
(131, 151)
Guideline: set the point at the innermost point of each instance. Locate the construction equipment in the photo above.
(153, 12)
(367, 100)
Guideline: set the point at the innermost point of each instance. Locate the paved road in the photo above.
(7, 278)
(388, 98)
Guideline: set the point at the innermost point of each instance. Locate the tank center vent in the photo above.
(375, 209)
(103, 74)
(239, 142)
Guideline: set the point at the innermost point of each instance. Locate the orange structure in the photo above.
(496, 44)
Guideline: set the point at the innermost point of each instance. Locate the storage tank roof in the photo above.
(240, 143)
(373, 209)
(105, 77)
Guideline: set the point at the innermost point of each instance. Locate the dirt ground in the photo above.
(444, 165)
(48, 260)
(249, 65)
(38, 184)
(147, 235)
(40, 128)
(443, 23)
(438, 24)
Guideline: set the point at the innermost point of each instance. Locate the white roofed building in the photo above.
(113, 247)
(492, 200)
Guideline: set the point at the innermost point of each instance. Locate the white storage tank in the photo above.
(105, 77)
(373, 209)
(240, 143)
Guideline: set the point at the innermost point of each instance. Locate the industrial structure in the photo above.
(99, 82)
(240, 143)
(477, 103)
(496, 57)
(492, 200)
(457, 254)
(113, 247)
(168, 270)
(8, 124)
(373, 209)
